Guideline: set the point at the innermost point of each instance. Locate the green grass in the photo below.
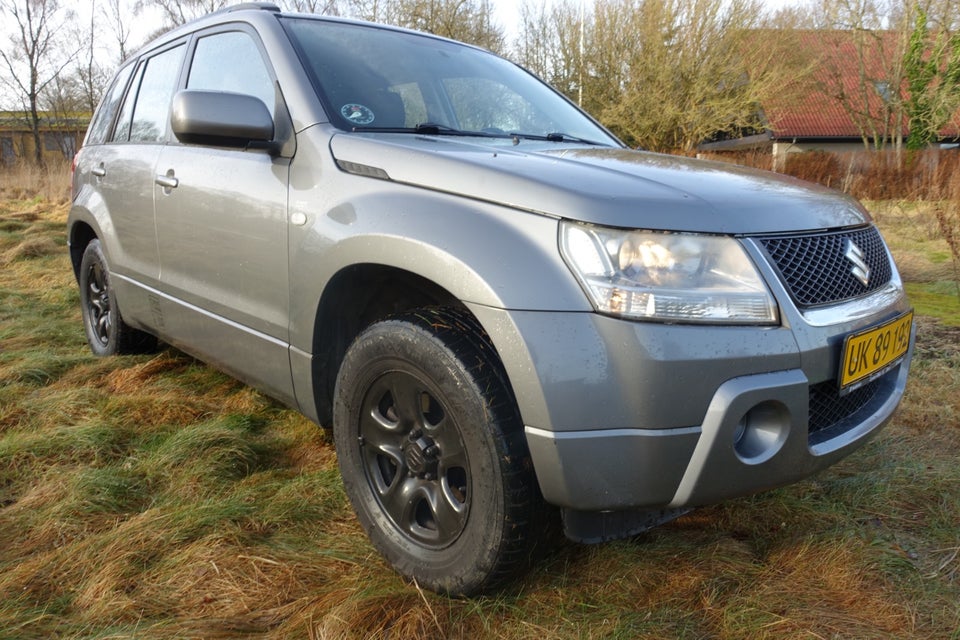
(153, 497)
(940, 300)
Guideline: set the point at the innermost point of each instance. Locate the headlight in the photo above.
(668, 277)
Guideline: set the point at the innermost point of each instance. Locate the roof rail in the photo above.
(263, 6)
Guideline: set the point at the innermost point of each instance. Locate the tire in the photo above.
(432, 452)
(107, 333)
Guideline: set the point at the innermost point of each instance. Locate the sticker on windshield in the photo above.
(357, 113)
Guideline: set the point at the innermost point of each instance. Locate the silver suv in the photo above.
(502, 312)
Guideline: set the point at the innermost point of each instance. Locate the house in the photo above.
(60, 135)
(845, 103)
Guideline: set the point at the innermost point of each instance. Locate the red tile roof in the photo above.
(818, 111)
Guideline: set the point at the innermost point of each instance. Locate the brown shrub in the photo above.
(869, 175)
(817, 166)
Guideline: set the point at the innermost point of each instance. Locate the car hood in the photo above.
(602, 185)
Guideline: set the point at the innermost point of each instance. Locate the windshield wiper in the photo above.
(556, 136)
(432, 129)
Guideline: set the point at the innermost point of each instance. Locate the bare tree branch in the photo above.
(466, 20)
(35, 57)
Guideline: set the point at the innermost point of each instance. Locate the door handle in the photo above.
(167, 182)
(99, 171)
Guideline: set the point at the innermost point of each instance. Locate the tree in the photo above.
(465, 20)
(905, 69)
(90, 77)
(931, 65)
(178, 12)
(662, 74)
(35, 57)
(118, 18)
(549, 43)
(852, 32)
(324, 7)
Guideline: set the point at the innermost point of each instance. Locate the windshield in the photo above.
(371, 78)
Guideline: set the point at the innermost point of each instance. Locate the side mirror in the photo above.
(221, 119)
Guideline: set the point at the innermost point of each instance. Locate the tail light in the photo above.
(73, 176)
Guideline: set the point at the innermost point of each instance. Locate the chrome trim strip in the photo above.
(854, 310)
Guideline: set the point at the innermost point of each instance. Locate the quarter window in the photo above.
(122, 132)
(100, 127)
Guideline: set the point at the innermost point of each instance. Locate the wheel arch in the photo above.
(356, 297)
(79, 235)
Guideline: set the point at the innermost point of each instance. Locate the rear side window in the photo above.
(122, 132)
(100, 127)
(152, 94)
(231, 61)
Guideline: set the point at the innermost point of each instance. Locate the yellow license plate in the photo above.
(872, 351)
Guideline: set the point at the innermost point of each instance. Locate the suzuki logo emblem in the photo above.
(854, 254)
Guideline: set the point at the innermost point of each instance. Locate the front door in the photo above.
(221, 220)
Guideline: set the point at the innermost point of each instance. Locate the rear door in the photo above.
(119, 159)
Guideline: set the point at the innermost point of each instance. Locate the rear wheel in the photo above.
(107, 333)
(432, 452)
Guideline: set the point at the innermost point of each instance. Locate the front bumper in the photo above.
(754, 437)
(628, 415)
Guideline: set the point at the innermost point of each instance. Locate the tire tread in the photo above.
(527, 519)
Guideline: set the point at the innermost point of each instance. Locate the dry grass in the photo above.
(25, 181)
(153, 497)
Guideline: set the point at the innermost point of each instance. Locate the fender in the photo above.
(482, 253)
(81, 214)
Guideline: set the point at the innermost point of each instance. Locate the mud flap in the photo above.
(591, 527)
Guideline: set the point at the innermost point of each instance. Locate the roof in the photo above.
(838, 58)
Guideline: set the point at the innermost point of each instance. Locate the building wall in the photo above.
(17, 145)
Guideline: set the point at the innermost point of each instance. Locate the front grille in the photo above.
(816, 271)
(829, 409)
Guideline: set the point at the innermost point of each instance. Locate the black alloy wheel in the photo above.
(414, 459)
(107, 332)
(433, 455)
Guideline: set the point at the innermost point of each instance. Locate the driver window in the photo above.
(231, 61)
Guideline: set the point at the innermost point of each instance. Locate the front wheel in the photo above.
(432, 452)
(107, 333)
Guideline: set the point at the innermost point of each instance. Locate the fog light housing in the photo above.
(761, 432)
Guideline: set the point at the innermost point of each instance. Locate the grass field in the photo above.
(153, 497)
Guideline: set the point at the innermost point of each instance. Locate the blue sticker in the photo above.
(357, 114)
